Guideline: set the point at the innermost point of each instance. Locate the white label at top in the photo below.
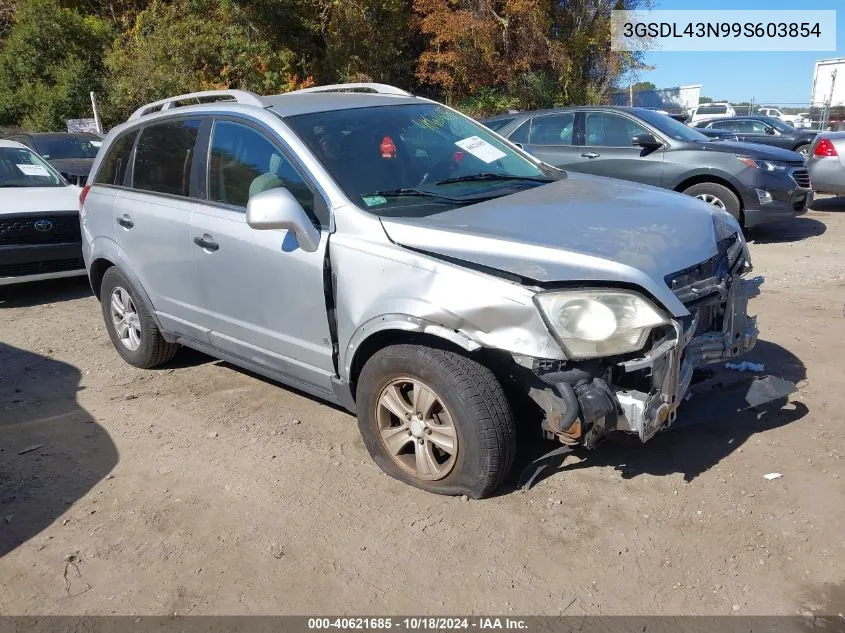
(33, 170)
(481, 149)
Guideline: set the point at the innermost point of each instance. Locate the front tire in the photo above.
(804, 150)
(130, 325)
(718, 196)
(436, 420)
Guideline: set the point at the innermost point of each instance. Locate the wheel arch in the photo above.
(97, 270)
(700, 179)
(397, 329)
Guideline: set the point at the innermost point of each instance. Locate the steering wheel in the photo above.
(440, 170)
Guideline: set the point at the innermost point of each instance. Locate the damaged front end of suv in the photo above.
(636, 364)
(633, 315)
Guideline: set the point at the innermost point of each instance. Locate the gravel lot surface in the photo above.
(202, 489)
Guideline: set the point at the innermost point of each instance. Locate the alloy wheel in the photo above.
(125, 319)
(709, 198)
(417, 429)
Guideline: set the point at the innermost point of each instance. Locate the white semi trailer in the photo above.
(828, 90)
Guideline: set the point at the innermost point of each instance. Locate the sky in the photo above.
(767, 77)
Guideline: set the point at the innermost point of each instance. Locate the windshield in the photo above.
(21, 167)
(415, 159)
(672, 128)
(497, 124)
(779, 125)
(61, 147)
(712, 109)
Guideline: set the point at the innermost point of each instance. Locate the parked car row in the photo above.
(754, 183)
(71, 153)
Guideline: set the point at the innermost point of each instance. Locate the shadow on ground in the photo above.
(52, 452)
(794, 230)
(833, 204)
(688, 450)
(41, 292)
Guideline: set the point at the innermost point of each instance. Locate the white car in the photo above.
(802, 121)
(39, 219)
(774, 112)
(707, 111)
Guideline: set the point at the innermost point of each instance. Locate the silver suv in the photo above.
(386, 253)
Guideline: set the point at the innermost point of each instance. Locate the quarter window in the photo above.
(520, 134)
(164, 157)
(605, 129)
(554, 129)
(113, 168)
(243, 163)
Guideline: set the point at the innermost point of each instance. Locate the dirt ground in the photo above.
(202, 489)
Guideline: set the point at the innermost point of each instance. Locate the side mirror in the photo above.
(278, 209)
(648, 141)
(771, 131)
(519, 145)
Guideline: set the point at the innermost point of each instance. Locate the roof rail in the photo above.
(382, 89)
(238, 96)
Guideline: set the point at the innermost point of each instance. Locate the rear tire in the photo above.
(130, 325)
(436, 420)
(718, 196)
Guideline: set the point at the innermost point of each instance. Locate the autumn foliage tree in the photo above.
(532, 53)
(484, 56)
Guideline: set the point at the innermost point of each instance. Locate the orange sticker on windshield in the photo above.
(388, 149)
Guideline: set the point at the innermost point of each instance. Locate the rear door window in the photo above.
(113, 168)
(555, 129)
(164, 157)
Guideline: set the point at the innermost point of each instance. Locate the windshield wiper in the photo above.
(398, 193)
(491, 176)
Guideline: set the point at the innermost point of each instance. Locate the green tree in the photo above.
(704, 100)
(50, 61)
(190, 45)
(641, 86)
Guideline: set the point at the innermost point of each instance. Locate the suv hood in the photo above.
(753, 150)
(581, 228)
(72, 166)
(14, 200)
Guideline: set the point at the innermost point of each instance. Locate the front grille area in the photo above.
(79, 181)
(40, 268)
(802, 178)
(35, 229)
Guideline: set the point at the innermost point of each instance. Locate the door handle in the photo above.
(590, 155)
(125, 222)
(207, 244)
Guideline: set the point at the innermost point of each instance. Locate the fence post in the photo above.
(96, 109)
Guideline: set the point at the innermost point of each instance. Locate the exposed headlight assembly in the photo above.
(595, 323)
(765, 165)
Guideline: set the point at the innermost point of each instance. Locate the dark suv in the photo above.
(755, 183)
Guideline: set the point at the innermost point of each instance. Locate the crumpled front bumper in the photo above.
(673, 361)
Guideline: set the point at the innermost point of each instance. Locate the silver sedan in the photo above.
(827, 163)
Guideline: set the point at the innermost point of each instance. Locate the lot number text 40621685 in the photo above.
(418, 623)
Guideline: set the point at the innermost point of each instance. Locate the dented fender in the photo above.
(381, 286)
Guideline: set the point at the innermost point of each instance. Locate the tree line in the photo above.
(483, 56)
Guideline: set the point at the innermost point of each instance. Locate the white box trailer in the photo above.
(829, 83)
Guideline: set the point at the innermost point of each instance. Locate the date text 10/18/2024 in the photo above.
(417, 623)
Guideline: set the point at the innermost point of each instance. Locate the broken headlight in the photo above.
(594, 323)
